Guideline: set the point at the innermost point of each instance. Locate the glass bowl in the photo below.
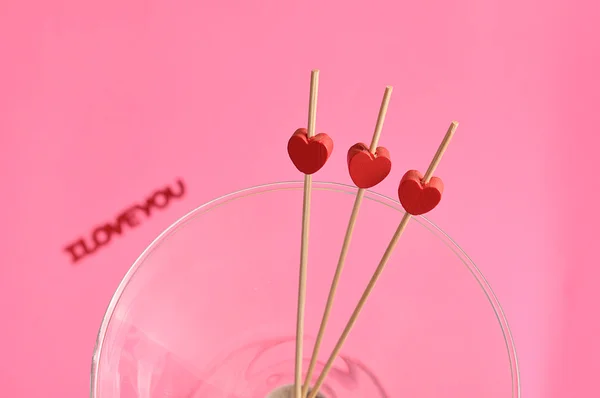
(209, 308)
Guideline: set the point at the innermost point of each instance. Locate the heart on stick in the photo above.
(309, 155)
(368, 169)
(418, 198)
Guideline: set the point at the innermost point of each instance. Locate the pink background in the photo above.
(105, 101)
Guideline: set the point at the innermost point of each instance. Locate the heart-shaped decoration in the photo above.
(367, 169)
(309, 154)
(418, 198)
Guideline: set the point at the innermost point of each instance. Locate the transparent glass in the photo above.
(209, 308)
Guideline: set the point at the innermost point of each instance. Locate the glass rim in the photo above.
(316, 185)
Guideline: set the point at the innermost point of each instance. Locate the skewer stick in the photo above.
(312, 102)
(347, 239)
(386, 256)
(381, 118)
(312, 115)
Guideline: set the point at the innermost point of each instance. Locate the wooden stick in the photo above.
(381, 118)
(440, 152)
(312, 102)
(312, 115)
(386, 256)
(345, 246)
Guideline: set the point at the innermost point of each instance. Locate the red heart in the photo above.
(367, 169)
(418, 198)
(309, 154)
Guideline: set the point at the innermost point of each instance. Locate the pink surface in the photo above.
(105, 102)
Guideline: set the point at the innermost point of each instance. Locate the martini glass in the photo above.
(209, 309)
